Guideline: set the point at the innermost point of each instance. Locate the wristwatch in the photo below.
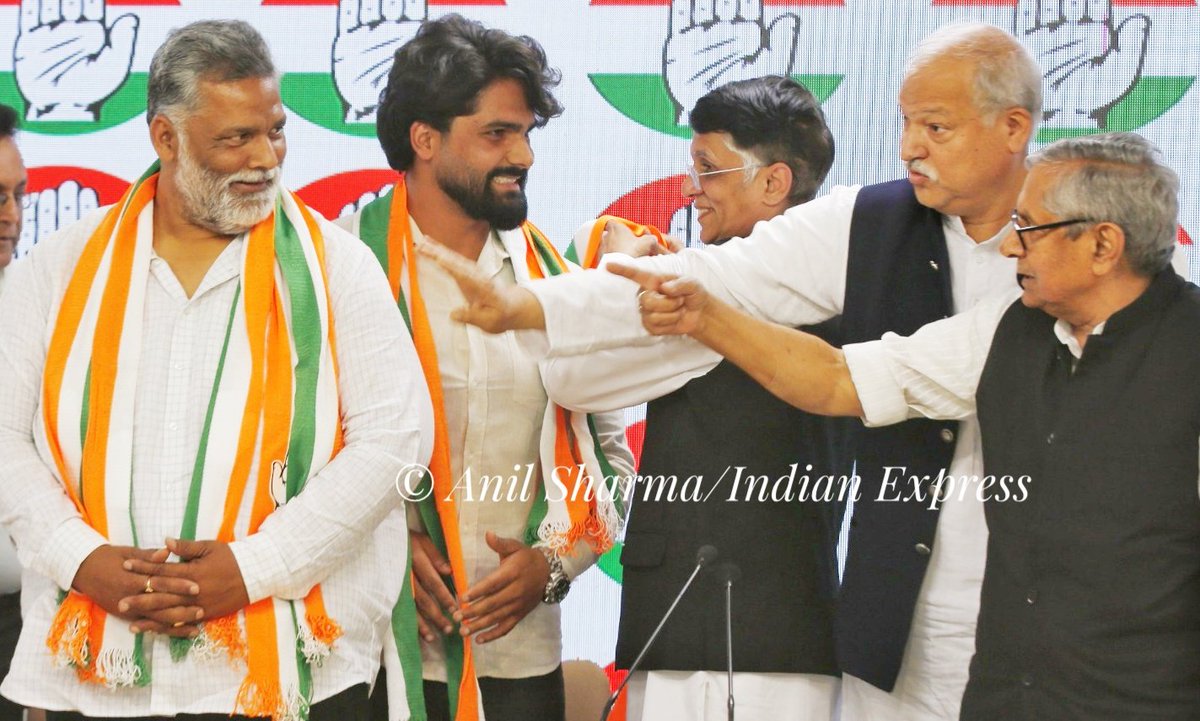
(559, 584)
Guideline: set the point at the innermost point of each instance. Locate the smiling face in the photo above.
(1055, 266)
(228, 156)
(726, 205)
(960, 162)
(482, 161)
(12, 184)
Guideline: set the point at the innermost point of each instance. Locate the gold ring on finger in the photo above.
(148, 588)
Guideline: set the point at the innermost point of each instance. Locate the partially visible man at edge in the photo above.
(490, 562)
(888, 257)
(1089, 412)
(758, 147)
(167, 406)
(12, 189)
(13, 181)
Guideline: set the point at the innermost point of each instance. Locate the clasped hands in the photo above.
(490, 608)
(155, 595)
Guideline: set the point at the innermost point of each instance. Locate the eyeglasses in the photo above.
(20, 198)
(695, 176)
(1021, 230)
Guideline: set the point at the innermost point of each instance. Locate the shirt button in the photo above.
(1031, 597)
(178, 366)
(923, 549)
(947, 435)
(172, 426)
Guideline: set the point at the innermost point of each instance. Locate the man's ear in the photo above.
(424, 139)
(779, 179)
(165, 138)
(1109, 247)
(1018, 127)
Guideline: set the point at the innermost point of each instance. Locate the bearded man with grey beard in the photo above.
(198, 477)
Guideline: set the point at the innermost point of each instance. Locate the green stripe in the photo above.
(303, 671)
(610, 474)
(373, 224)
(408, 643)
(542, 246)
(188, 530)
(572, 254)
(84, 415)
(308, 335)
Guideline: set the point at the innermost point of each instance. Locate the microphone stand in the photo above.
(704, 556)
(727, 573)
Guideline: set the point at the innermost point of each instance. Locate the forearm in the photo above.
(797, 367)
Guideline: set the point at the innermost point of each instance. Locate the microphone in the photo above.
(727, 573)
(705, 555)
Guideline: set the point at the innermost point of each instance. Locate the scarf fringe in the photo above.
(257, 698)
(119, 668)
(317, 636)
(68, 637)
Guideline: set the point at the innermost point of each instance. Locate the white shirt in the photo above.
(790, 270)
(494, 405)
(345, 530)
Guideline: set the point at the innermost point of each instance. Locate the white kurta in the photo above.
(344, 530)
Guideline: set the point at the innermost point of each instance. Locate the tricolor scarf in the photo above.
(272, 421)
(569, 442)
(595, 233)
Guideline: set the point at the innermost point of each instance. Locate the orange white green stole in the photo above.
(569, 443)
(272, 422)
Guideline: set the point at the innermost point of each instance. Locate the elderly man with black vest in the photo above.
(889, 257)
(1090, 413)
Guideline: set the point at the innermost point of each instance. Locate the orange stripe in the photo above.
(400, 247)
(260, 693)
(277, 413)
(66, 327)
(106, 343)
(258, 283)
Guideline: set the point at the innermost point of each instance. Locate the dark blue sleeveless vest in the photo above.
(897, 279)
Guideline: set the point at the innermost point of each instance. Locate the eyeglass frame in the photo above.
(1020, 230)
(694, 175)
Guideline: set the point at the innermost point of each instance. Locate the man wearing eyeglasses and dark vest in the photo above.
(758, 147)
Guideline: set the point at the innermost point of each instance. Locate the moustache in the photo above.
(919, 166)
(254, 176)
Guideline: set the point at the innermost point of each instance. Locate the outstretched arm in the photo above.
(799, 368)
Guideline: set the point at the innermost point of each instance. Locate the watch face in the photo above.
(557, 589)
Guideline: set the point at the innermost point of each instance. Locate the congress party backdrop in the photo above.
(77, 72)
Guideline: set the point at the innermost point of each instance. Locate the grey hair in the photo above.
(1120, 178)
(1006, 75)
(218, 50)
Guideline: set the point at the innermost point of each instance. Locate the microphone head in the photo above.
(728, 572)
(706, 555)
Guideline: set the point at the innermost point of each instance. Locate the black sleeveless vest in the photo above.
(782, 604)
(897, 279)
(1091, 597)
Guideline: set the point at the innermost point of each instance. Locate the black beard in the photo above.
(480, 202)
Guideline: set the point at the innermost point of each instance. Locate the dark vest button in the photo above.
(1050, 439)
(1027, 680)
(947, 435)
(1031, 597)
(923, 549)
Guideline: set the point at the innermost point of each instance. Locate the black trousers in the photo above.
(537, 698)
(349, 705)
(10, 630)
